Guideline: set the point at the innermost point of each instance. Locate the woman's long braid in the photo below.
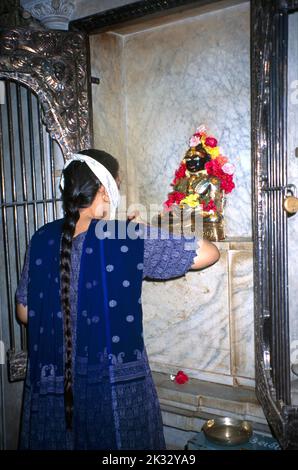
(80, 189)
(72, 215)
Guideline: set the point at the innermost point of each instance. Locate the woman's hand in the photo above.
(207, 254)
(135, 216)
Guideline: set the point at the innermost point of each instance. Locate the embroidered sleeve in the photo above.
(165, 256)
(21, 292)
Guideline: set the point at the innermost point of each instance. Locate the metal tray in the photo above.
(227, 431)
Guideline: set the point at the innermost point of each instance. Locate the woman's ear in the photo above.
(103, 193)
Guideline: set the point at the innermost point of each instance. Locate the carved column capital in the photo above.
(53, 14)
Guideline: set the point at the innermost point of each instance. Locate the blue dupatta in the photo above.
(115, 402)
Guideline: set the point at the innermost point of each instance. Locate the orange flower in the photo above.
(222, 160)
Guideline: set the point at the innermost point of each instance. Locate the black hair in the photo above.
(80, 188)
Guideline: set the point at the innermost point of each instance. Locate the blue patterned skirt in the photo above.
(125, 414)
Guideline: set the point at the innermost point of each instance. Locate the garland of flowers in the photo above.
(216, 165)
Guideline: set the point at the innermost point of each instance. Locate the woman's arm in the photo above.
(207, 254)
(167, 257)
(21, 292)
(22, 313)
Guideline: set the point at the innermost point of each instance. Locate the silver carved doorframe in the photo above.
(271, 184)
(55, 66)
(47, 83)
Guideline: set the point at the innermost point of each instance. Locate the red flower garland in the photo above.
(215, 169)
(174, 198)
(180, 173)
(227, 183)
(210, 206)
(211, 142)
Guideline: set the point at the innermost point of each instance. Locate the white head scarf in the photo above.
(102, 174)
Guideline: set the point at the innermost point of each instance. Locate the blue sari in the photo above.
(115, 401)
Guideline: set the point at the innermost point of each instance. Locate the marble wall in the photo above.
(173, 78)
(192, 72)
(156, 86)
(109, 98)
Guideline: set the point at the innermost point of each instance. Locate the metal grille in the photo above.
(29, 198)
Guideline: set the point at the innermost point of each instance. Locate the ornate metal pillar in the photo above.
(269, 33)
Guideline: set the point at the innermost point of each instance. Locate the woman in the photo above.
(88, 384)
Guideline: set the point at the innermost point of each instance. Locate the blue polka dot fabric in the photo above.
(115, 401)
(110, 284)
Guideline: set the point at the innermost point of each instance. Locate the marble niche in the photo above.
(157, 84)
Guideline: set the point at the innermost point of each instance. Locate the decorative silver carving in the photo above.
(53, 14)
(269, 154)
(53, 64)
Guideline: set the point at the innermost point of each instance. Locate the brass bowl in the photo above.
(227, 431)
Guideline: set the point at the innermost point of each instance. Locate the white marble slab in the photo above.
(242, 314)
(186, 322)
